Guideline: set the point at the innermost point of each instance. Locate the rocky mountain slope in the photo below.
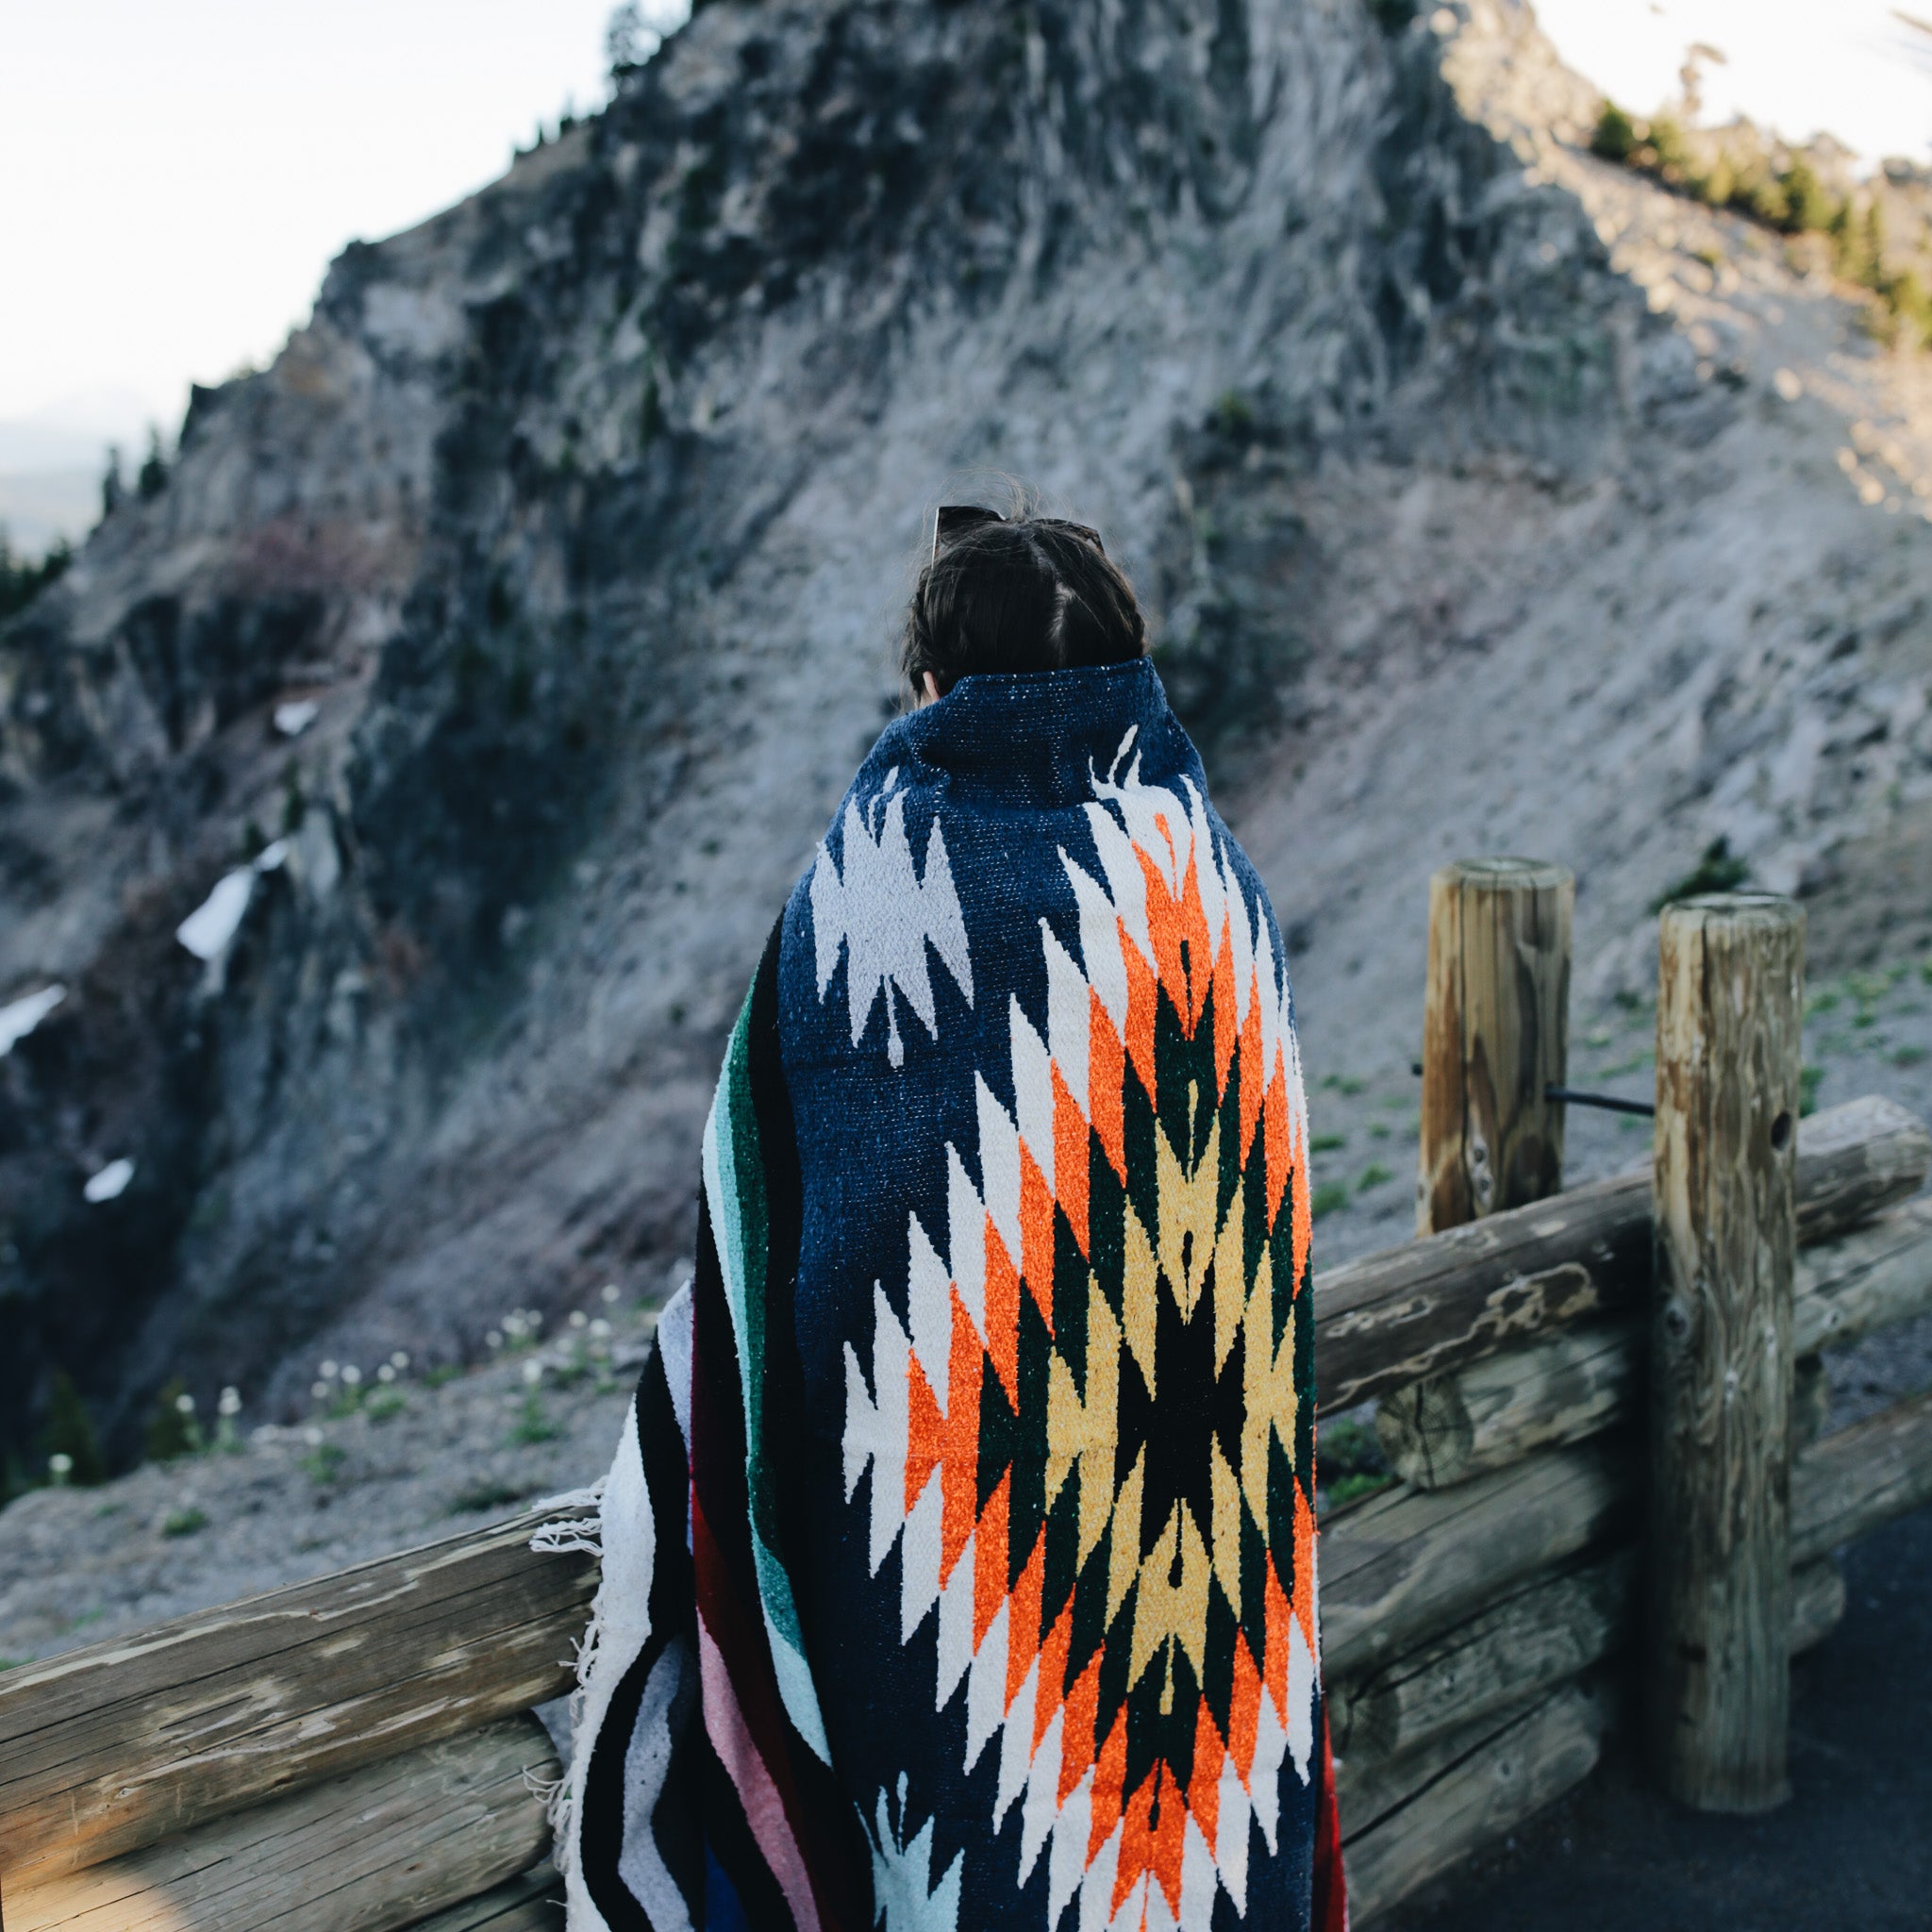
(487, 668)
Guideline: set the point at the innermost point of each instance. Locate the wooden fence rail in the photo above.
(1433, 1305)
(348, 1754)
(1580, 1380)
(105, 1750)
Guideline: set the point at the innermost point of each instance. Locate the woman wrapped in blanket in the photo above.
(960, 1551)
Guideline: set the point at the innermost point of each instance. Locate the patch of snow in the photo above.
(112, 1182)
(296, 716)
(209, 930)
(19, 1018)
(270, 857)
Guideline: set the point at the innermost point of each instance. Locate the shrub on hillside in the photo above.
(69, 1432)
(172, 1429)
(22, 579)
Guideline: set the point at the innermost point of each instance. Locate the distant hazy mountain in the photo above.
(53, 458)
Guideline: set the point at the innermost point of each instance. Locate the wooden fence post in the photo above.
(1495, 1034)
(1730, 984)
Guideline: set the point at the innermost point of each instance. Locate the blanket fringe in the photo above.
(568, 1531)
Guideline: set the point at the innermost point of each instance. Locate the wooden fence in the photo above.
(357, 1753)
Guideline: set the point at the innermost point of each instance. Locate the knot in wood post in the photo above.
(1495, 1036)
(1730, 1004)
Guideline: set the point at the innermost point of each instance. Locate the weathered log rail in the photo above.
(1452, 1298)
(351, 1754)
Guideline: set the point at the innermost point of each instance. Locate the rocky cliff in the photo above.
(487, 668)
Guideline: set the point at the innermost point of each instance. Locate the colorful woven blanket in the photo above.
(960, 1556)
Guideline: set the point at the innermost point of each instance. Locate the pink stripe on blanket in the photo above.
(764, 1809)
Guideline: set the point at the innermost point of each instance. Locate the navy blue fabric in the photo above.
(1008, 765)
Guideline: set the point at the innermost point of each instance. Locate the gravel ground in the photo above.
(381, 1469)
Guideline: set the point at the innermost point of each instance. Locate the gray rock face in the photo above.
(582, 515)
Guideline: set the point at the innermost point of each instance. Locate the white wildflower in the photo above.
(495, 1338)
(533, 1372)
(608, 1294)
(230, 1402)
(400, 1360)
(59, 1466)
(184, 1403)
(329, 1371)
(386, 1372)
(600, 1327)
(579, 1318)
(352, 1376)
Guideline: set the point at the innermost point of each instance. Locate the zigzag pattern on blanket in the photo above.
(1132, 1607)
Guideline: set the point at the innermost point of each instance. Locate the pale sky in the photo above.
(1852, 68)
(175, 174)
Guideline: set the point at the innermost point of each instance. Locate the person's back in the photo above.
(987, 1429)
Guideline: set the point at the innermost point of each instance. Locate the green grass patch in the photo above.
(1351, 1464)
(184, 1521)
(1327, 1198)
(1341, 1083)
(1327, 1143)
(1718, 869)
(483, 1495)
(1352, 1488)
(1907, 1055)
(532, 1426)
(1809, 1078)
(1372, 1176)
(385, 1405)
(324, 1463)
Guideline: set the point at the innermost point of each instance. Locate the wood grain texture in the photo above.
(1854, 1159)
(1430, 1306)
(1406, 1565)
(1564, 1387)
(1861, 1478)
(1863, 1280)
(1423, 1812)
(1514, 1650)
(1559, 1389)
(1537, 1637)
(1495, 1034)
(1717, 1652)
(1810, 1400)
(111, 1748)
(379, 1848)
(530, 1902)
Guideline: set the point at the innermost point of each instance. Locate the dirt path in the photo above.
(1851, 1849)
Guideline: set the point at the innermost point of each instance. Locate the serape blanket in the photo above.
(959, 1551)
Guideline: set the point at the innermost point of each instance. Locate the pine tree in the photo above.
(172, 1429)
(70, 1432)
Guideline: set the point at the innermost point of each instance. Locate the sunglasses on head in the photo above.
(955, 519)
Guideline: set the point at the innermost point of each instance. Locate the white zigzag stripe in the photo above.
(877, 1423)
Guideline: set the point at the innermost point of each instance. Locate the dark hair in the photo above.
(1024, 594)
